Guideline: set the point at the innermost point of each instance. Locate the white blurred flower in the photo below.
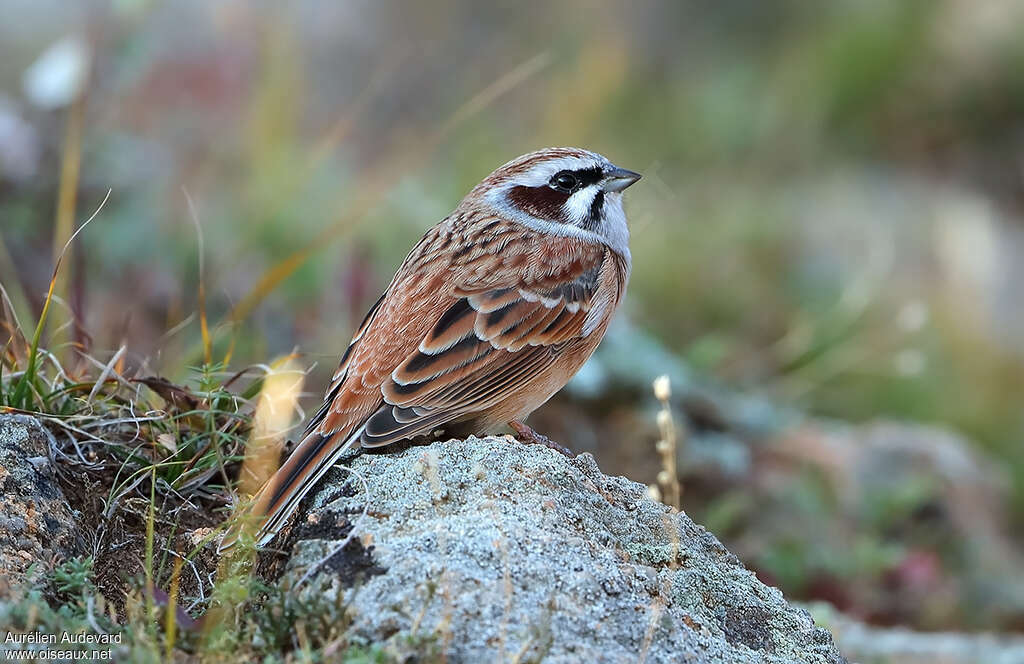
(662, 388)
(57, 76)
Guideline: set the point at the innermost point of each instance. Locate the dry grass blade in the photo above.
(112, 369)
(502, 85)
(108, 370)
(274, 416)
(201, 303)
(23, 387)
(171, 614)
(67, 194)
(669, 490)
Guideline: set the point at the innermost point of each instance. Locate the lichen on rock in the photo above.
(493, 550)
(36, 523)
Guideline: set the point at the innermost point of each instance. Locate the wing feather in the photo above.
(485, 344)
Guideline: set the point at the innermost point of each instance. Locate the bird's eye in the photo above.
(564, 181)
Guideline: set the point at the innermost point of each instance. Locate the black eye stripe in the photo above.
(588, 176)
(572, 181)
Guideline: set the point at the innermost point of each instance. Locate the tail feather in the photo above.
(280, 497)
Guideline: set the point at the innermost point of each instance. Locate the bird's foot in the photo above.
(527, 435)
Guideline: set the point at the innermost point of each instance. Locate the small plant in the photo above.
(268, 622)
(668, 489)
(63, 600)
(72, 577)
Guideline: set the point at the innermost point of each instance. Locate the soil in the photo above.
(117, 542)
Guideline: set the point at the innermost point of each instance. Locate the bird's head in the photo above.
(564, 191)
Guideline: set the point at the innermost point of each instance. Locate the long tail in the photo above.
(281, 495)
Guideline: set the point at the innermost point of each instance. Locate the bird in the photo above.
(489, 315)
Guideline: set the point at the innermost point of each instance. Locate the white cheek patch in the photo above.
(614, 229)
(577, 208)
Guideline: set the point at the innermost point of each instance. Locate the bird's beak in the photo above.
(618, 179)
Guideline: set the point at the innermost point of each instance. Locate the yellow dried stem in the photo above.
(670, 489)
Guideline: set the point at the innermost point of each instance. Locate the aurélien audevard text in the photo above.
(78, 638)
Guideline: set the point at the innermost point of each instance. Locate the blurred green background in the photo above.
(828, 241)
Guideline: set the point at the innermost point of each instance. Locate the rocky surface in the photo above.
(36, 523)
(492, 550)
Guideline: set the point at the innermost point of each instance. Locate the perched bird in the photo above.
(490, 314)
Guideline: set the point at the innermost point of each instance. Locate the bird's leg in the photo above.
(529, 436)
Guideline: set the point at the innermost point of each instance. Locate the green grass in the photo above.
(265, 623)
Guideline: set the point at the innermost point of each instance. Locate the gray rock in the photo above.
(36, 523)
(496, 551)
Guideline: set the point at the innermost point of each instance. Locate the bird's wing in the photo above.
(468, 318)
(464, 322)
(501, 326)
